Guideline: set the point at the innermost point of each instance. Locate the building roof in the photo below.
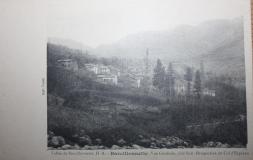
(64, 60)
(106, 76)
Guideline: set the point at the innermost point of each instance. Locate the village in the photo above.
(137, 76)
(125, 98)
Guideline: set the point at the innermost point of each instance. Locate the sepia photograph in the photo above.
(146, 74)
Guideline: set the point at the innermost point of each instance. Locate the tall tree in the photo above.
(159, 75)
(170, 81)
(197, 84)
(188, 77)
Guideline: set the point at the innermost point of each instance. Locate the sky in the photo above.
(96, 22)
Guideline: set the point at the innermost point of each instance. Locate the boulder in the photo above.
(127, 147)
(225, 145)
(218, 144)
(76, 146)
(66, 146)
(210, 144)
(115, 147)
(158, 143)
(135, 146)
(152, 139)
(164, 140)
(86, 147)
(169, 144)
(57, 141)
(61, 140)
(101, 147)
(121, 142)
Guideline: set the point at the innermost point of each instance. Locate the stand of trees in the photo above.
(164, 80)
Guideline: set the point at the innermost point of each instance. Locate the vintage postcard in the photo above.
(146, 75)
(147, 79)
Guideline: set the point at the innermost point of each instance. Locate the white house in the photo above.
(104, 73)
(108, 79)
(92, 68)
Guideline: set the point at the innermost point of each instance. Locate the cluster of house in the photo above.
(111, 75)
(104, 74)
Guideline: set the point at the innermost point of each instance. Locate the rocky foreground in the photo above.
(84, 142)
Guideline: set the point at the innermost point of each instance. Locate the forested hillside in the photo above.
(86, 114)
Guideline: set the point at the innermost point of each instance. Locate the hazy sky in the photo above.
(95, 22)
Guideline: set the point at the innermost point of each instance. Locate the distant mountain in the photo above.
(69, 43)
(182, 41)
(219, 43)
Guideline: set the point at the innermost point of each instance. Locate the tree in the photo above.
(170, 81)
(188, 77)
(159, 75)
(197, 84)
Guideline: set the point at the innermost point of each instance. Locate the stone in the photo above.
(66, 146)
(164, 140)
(135, 146)
(86, 147)
(94, 147)
(54, 142)
(152, 139)
(101, 147)
(225, 145)
(163, 146)
(218, 144)
(127, 147)
(121, 142)
(76, 146)
(61, 140)
(169, 144)
(115, 147)
(159, 143)
(211, 144)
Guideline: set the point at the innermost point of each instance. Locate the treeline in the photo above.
(66, 83)
(164, 80)
(57, 52)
